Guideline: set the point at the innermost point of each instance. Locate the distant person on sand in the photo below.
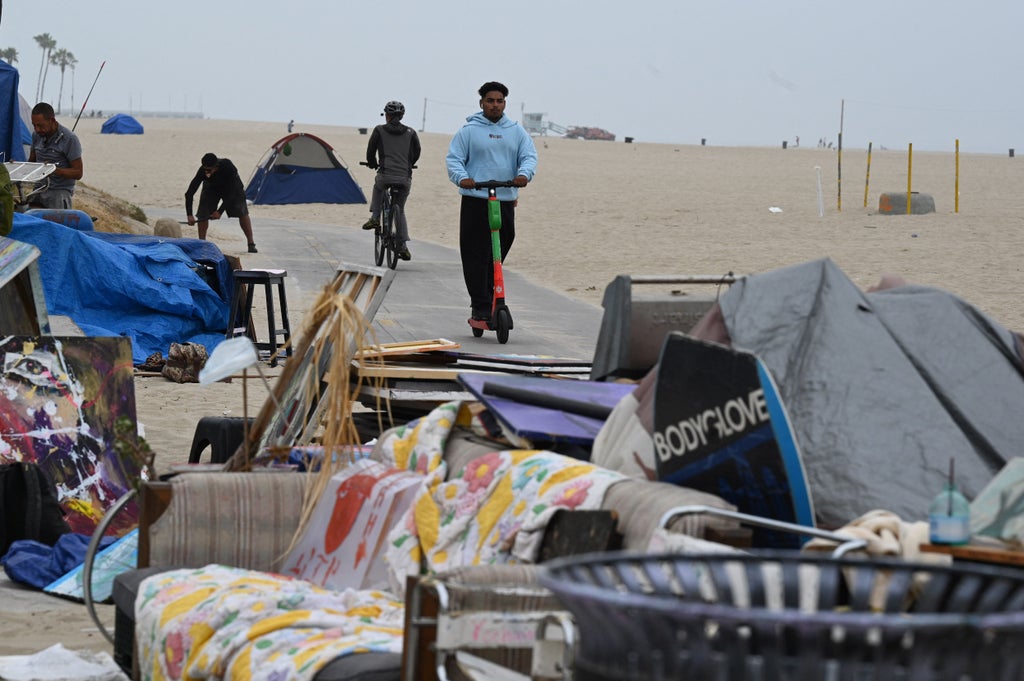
(291, 124)
(490, 146)
(392, 151)
(221, 185)
(53, 143)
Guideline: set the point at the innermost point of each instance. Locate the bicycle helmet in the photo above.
(394, 107)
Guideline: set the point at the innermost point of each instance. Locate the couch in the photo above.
(248, 519)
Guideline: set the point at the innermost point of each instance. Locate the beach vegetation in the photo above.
(108, 212)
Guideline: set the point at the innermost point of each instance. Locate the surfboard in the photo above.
(721, 426)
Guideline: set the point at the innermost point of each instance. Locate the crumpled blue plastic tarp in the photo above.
(148, 292)
(37, 565)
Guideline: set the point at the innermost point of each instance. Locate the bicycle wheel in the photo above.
(391, 238)
(378, 237)
(503, 324)
(90, 559)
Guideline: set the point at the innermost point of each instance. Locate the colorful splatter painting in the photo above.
(60, 399)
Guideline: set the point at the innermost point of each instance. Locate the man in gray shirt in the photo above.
(53, 143)
(392, 151)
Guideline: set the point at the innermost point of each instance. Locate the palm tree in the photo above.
(62, 59)
(9, 55)
(46, 44)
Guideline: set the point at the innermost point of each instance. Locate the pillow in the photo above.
(641, 503)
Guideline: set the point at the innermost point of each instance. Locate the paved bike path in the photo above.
(427, 298)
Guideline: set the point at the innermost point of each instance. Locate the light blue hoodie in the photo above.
(485, 151)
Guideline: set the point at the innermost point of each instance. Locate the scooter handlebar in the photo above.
(493, 184)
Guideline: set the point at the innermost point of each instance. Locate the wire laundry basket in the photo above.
(791, 616)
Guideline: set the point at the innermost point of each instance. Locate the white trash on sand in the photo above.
(57, 663)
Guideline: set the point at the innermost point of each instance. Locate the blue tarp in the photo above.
(36, 564)
(11, 140)
(121, 124)
(146, 289)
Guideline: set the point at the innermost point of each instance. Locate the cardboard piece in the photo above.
(22, 300)
(720, 427)
(343, 545)
(538, 424)
(63, 398)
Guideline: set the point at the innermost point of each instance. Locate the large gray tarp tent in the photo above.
(883, 388)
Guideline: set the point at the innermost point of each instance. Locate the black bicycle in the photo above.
(385, 235)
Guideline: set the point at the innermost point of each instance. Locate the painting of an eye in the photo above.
(35, 370)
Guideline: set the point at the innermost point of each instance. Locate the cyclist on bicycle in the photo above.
(392, 151)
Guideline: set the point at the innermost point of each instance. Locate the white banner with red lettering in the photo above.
(343, 544)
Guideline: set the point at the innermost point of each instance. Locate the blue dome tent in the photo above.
(121, 124)
(302, 168)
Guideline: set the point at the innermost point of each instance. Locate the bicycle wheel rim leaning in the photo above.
(90, 558)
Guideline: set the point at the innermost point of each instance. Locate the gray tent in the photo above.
(883, 388)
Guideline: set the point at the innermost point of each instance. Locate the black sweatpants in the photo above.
(475, 247)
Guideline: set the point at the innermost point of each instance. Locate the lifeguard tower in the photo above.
(536, 125)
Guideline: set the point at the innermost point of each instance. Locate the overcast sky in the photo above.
(756, 72)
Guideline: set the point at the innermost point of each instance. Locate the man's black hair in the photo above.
(44, 109)
(209, 160)
(491, 86)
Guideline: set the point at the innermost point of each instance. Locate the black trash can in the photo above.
(788, 615)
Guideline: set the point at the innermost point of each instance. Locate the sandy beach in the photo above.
(599, 209)
(595, 210)
(605, 208)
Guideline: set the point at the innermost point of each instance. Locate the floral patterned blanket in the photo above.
(492, 512)
(222, 622)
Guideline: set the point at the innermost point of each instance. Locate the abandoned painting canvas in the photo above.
(60, 400)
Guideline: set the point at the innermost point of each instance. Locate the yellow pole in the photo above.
(867, 176)
(910, 164)
(956, 186)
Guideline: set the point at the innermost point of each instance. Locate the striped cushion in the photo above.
(244, 520)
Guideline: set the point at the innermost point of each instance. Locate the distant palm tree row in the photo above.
(61, 58)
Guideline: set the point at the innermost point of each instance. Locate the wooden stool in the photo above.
(241, 309)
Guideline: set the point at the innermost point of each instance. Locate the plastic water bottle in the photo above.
(949, 516)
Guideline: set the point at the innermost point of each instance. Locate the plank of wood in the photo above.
(414, 371)
(984, 554)
(510, 359)
(407, 347)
